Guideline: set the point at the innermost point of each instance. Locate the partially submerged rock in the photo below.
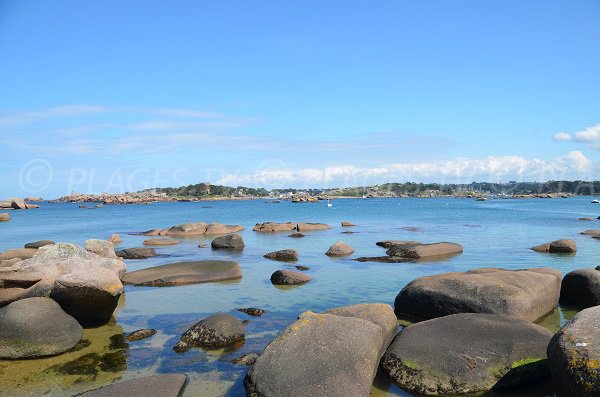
(563, 246)
(188, 229)
(229, 241)
(340, 249)
(39, 244)
(391, 243)
(347, 224)
(574, 355)
(420, 251)
(182, 273)
(289, 277)
(160, 385)
(581, 287)
(322, 355)
(541, 248)
(213, 332)
(303, 226)
(297, 235)
(468, 353)
(161, 241)
(87, 286)
(217, 228)
(136, 253)
(4, 217)
(286, 255)
(36, 327)
(274, 227)
(526, 294)
(115, 239)
(594, 232)
(246, 359)
(140, 334)
(252, 311)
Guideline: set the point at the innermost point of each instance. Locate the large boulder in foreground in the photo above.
(581, 288)
(213, 332)
(161, 385)
(286, 255)
(87, 286)
(526, 294)
(274, 227)
(36, 327)
(377, 313)
(468, 353)
(340, 249)
(303, 226)
(182, 273)
(229, 241)
(420, 251)
(574, 355)
(322, 355)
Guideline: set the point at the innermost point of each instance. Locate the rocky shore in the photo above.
(470, 332)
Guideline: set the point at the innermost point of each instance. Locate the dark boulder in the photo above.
(468, 353)
(563, 246)
(182, 273)
(526, 294)
(136, 253)
(213, 332)
(287, 255)
(420, 251)
(289, 277)
(39, 244)
(581, 287)
(574, 355)
(36, 327)
(229, 241)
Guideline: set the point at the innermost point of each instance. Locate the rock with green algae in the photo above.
(468, 353)
(574, 355)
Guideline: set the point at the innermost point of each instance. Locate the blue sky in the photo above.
(122, 95)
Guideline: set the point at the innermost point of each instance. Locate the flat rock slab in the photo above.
(595, 232)
(581, 287)
(136, 253)
(268, 227)
(303, 226)
(526, 294)
(182, 273)
(574, 355)
(319, 355)
(36, 327)
(39, 244)
(420, 251)
(163, 385)
(468, 353)
(161, 241)
(340, 249)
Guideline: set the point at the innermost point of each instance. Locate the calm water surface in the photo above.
(494, 233)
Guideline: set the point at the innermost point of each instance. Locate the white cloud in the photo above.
(562, 137)
(573, 165)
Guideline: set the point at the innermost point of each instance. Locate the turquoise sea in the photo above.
(494, 233)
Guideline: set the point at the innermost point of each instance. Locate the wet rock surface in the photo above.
(213, 332)
(182, 273)
(161, 385)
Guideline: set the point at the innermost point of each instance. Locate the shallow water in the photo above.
(495, 233)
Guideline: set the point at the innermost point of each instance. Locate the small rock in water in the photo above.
(39, 244)
(4, 217)
(213, 332)
(246, 359)
(289, 277)
(339, 249)
(585, 219)
(297, 235)
(252, 311)
(136, 253)
(302, 268)
(140, 334)
(229, 241)
(161, 241)
(287, 255)
(347, 224)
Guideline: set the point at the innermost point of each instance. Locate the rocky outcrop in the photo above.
(39, 244)
(182, 273)
(581, 288)
(574, 355)
(468, 353)
(303, 226)
(36, 327)
(101, 247)
(289, 277)
(334, 355)
(340, 249)
(136, 253)
(213, 332)
(161, 241)
(287, 255)
(161, 385)
(4, 217)
(526, 294)
(87, 286)
(420, 251)
(274, 227)
(194, 229)
(229, 241)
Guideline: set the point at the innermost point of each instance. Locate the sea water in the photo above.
(494, 233)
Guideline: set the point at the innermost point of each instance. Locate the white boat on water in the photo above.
(329, 204)
(595, 201)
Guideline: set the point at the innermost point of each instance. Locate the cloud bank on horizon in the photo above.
(91, 149)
